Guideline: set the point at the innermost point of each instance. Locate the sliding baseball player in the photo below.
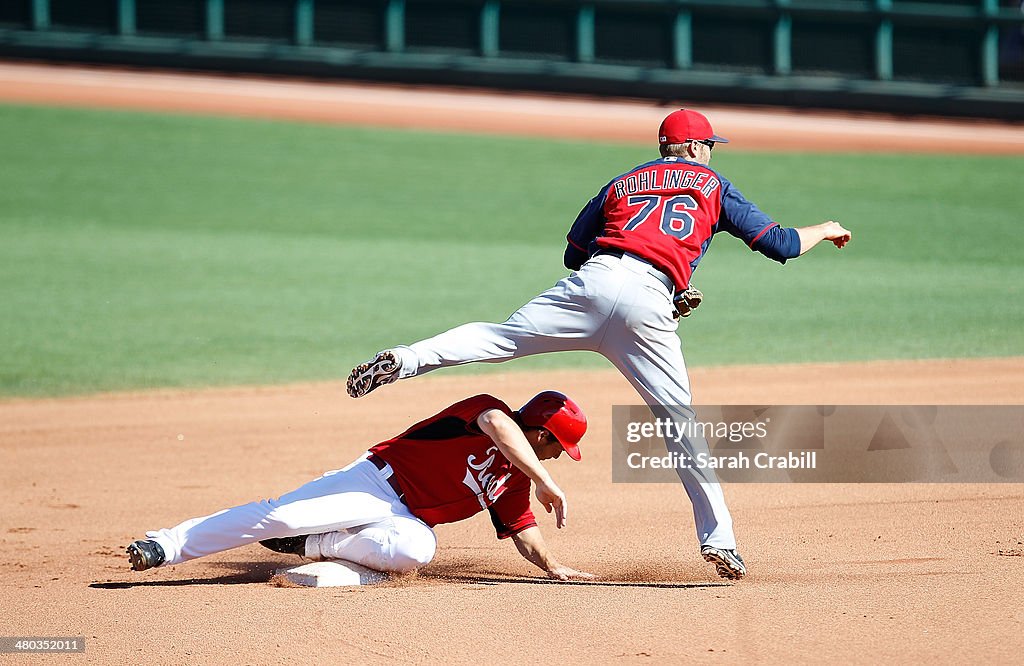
(476, 455)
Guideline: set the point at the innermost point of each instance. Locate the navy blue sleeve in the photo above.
(745, 221)
(588, 225)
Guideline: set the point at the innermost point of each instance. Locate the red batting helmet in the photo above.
(559, 415)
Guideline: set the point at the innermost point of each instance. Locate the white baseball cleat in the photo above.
(728, 562)
(366, 377)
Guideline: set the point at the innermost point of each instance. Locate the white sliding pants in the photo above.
(352, 513)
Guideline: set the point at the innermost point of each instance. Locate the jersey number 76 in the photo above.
(674, 222)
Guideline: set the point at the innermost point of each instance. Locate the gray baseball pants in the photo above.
(614, 306)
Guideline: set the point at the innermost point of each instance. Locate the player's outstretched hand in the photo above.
(552, 498)
(830, 231)
(836, 233)
(565, 573)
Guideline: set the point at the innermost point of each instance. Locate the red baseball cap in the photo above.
(682, 125)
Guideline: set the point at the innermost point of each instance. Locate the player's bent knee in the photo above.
(413, 546)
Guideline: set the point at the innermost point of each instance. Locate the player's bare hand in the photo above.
(835, 232)
(566, 573)
(552, 498)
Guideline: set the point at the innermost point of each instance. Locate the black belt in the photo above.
(665, 280)
(380, 463)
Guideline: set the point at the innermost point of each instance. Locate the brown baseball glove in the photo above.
(687, 301)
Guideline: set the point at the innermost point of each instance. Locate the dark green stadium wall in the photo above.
(955, 57)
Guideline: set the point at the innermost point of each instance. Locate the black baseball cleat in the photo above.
(295, 545)
(145, 554)
(728, 562)
(366, 377)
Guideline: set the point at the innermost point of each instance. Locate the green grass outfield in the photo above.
(142, 250)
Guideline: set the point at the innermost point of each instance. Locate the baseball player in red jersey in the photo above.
(475, 455)
(633, 249)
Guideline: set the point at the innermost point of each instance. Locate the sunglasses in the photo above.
(706, 142)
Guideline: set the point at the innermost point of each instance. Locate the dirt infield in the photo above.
(857, 573)
(749, 128)
(851, 573)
